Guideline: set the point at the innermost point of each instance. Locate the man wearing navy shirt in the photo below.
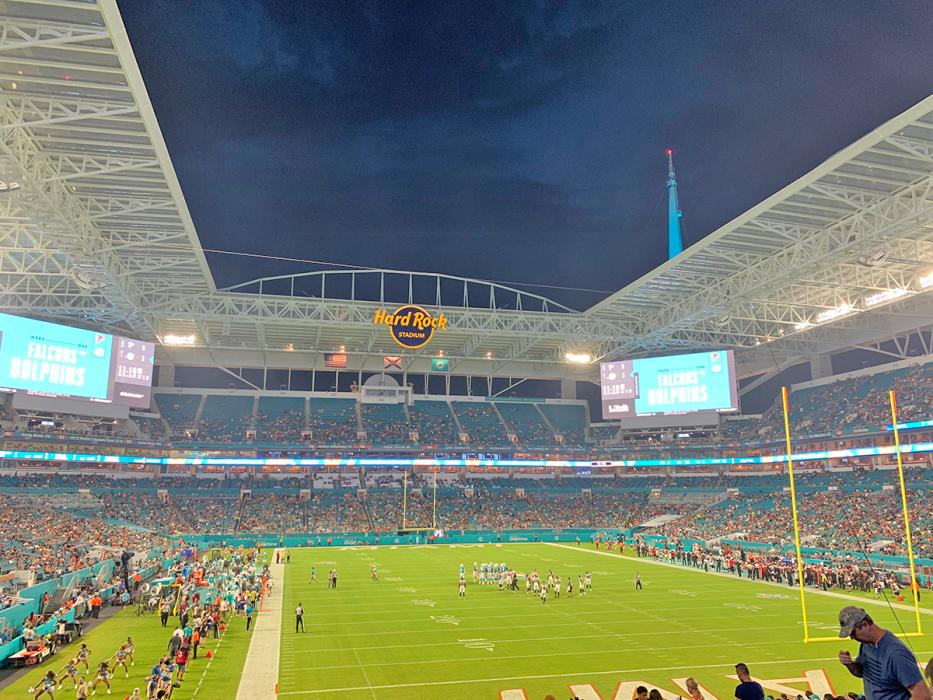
(887, 666)
(747, 689)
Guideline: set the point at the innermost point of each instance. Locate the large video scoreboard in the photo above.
(49, 359)
(700, 381)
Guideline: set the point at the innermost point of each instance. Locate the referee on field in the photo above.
(299, 618)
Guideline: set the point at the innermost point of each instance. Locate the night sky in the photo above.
(515, 141)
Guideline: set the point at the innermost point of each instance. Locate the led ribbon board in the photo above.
(915, 448)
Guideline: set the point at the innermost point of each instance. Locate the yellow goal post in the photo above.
(793, 497)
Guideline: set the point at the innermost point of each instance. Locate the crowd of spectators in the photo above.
(50, 542)
(527, 424)
(333, 422)
(286, 428)
(280, 419)
(151, 428)
(836, 520)
(385, 424)
(225, 419)
(434, 423)
(838, 511)
(482, 423)
(846, 405)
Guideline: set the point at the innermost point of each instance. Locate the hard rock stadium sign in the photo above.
(411, 326)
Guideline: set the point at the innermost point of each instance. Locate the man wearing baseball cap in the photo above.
(887, 666)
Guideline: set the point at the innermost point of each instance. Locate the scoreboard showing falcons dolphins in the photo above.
(700, 381)
(49, 359)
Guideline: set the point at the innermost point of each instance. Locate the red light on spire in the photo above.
(669, 152)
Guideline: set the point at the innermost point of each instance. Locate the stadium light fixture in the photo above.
(834, 313)
(802, 325)
(925, 281)
(85, 280)
(885, 296)
(177, 340)
(580, 358)
(8, 186)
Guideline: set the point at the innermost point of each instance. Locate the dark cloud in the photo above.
(511, 140)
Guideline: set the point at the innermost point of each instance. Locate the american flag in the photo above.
(335, 360)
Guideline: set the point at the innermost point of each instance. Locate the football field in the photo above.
(411, 636)
(214, 677)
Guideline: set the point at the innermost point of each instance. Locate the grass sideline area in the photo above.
(410, 636)
(220, 679)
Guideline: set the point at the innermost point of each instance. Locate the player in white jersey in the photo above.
(462, 587)
(589, 581)
(580, 587)
(543, 594)
(557, 587)
(475, 572)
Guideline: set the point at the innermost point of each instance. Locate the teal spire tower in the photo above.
(675, 242)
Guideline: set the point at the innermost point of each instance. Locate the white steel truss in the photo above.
(858, 225)
(98, 220)
(96, 231)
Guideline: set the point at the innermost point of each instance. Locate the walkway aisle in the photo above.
(261, 671)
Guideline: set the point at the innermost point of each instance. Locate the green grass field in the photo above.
(221, 675)
(410, 636)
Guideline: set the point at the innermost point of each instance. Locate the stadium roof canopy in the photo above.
(840, 257)
(94, 230)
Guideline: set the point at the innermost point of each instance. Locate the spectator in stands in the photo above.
(884, 662)
(747, 689)
(693, 688)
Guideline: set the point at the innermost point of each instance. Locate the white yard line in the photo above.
(499, 679)
(365, 675)
(602, 650)
(208, 666)
(651, 633)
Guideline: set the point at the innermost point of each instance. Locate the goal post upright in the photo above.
(405, 501)
(434, 507)
(793, 501)
(793, 495)
(915, 594)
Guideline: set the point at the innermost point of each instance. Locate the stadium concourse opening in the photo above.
(253, 474)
